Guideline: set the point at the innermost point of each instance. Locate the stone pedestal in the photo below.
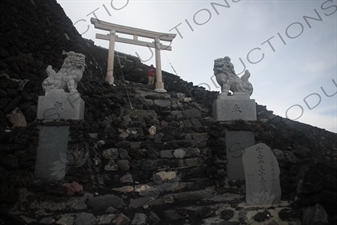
(51, 158)
(51, 155)
(61, 105)
(236, 143)
(234, 108)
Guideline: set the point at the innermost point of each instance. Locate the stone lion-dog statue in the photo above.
(229, 81)
(69, 75)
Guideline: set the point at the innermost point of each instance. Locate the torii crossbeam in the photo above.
(135, 32)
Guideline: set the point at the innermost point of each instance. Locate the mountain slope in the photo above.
(128, 160)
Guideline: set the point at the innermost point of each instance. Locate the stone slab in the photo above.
(262, 174)
(234, 109)
(236, 143)
(61, 106)
(51, 158)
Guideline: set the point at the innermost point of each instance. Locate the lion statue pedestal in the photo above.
(62, 100)
(234, 109)
(61, 105)
(238, 105)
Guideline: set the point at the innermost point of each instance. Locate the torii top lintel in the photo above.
(99, 24)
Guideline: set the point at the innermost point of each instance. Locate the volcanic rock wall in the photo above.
(138, 141)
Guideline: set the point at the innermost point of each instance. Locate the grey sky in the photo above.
(289, 55)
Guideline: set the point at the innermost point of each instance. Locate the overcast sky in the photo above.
(289, 47)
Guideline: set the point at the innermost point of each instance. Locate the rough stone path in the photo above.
(167, 203)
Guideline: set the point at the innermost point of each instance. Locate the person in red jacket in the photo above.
(151, 74)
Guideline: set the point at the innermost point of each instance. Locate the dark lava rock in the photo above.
(84, 219)
(301, 152)
(222, 190)
(171, 215)
(227, 214)
(204, 212)
(55, 189)
(9, 161)
(101, 203)
(242, 216)
(149, 165)
(231, 223)
(262, 216)
(319, 185)
(286, 159)
(123, 165)
(123, 144)
(153, 218)
(314, 215)
(289, 214)
(326, 198)
(318, 178)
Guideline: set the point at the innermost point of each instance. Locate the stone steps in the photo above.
(177, 207)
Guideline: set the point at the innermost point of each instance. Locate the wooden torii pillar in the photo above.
(135, 32)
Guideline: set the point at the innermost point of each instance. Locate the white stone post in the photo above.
(109, 73)
(159, 76)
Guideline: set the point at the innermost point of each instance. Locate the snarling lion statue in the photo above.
(68, 76)
(228, 80)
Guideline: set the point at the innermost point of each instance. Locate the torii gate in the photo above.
(136, 32)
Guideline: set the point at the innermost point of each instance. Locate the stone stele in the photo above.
(236, 143)
(262, 176)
